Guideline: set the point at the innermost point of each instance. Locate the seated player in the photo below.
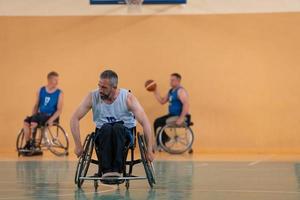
(178, 104)
(47, 108)
(114, 112)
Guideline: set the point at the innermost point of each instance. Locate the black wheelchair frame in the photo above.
(86, 158)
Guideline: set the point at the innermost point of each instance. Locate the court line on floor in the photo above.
(261, 160)
(236, 191)
(113, 188)
(252, 191)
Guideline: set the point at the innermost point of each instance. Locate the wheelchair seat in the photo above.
(56, 122)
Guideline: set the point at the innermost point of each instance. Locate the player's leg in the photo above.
(159, 123)
(104, 146)
(119, 141)
(37, 120)
(27, 132)
(42, 119)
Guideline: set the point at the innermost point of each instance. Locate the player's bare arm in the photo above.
(36, 103)
(139, 113)
(58, 111)
(183, 96)
(79, 113)
(161, 99)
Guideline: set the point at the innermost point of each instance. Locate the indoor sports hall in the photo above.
(150, 99)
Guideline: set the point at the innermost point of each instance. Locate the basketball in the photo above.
(150, 85)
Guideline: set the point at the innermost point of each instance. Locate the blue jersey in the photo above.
(175, 105)
(48, 101)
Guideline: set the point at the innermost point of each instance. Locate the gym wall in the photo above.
(241, 71)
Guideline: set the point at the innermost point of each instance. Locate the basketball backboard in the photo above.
(145, 2)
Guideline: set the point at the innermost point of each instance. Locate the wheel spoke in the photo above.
(182, 141)
(170, 132)
(54, 140)
(58, 146)
(58, 143)
(171, 143)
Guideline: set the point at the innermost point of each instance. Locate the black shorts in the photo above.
(39, 118)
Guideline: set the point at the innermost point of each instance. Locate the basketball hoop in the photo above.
(134, 5)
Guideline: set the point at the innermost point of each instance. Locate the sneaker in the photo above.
(27, 145)
(111, 178)
(111, 174)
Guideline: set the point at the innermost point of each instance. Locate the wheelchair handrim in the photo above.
(20, 137)
(149, 172)
(80, 160)
(65, 148)
(84, 164)
(169, 150)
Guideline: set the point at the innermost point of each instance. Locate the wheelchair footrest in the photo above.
(133, 162)
(33, 152)
(113, 178)
(95, 161)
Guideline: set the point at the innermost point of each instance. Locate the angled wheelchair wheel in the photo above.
(20, 143)
(80, 160)
(176, 139)
(58, 140)
(84, 161)
(148, 166)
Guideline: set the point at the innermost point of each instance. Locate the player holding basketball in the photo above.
(114, 113)
(178, 104)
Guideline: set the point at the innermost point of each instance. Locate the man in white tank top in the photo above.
(114, 114)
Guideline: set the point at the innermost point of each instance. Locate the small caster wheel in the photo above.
(127, 185)
(191, 151)
(96, 185)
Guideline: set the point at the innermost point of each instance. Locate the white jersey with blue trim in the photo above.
(117, 111)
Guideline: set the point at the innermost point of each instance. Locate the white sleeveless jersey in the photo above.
(109, 113)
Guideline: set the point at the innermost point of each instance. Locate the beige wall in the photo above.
(242, 71)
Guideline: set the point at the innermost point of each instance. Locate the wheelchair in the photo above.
(86, 159)
(53, 138)
(180, 138)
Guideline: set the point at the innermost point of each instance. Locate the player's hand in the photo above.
(150, 154)
(49, 122)
(179, 121)
(78, 151)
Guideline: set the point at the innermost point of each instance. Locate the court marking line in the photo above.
(261, 160)
(236, 191)
(253, 191)
(48, 189)
(113, 188)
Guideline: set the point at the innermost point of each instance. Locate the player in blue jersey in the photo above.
(178, 104)
(47, 108)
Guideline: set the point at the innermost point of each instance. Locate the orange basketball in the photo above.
(150, 85)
